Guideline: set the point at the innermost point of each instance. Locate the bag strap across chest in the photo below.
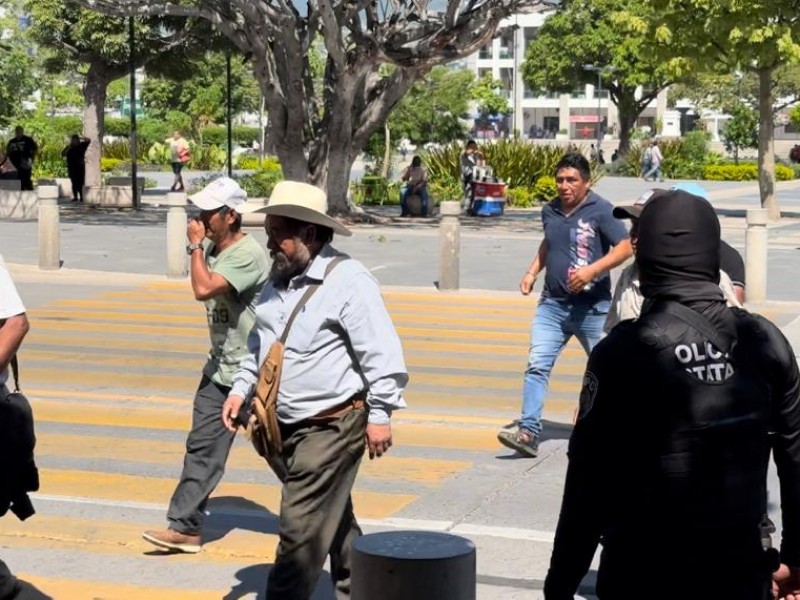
(306, 297)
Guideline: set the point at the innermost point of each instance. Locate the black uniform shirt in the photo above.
(668, 458)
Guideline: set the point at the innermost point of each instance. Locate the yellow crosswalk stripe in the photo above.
(123, 538)
(196, 321)
(243, 456)
(116, 486)
(464, 436)
(73, 341)
(147, 304)
(139, 362)
(139, 373)
(71, 589)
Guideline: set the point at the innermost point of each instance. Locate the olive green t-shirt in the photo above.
(245, 266)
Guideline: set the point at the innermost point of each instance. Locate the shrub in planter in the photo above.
(109, 164)
(516, 162)
(445, 189)
(743, 172)
(545, 190)
(49, 169)
(521, 197)
(247, 163)
(261, 183)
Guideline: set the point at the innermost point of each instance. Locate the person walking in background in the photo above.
(655, 163)
(416, 178)
(21, 151)
(227, 275)
(75, 155)
(647, 160)
(582, 243)
(180, 156)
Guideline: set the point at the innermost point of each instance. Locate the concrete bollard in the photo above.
(413, 565)
(176, 235)
(49, 228)
(756, 242)
(449, 246)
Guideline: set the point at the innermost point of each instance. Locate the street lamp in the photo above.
(606, 69)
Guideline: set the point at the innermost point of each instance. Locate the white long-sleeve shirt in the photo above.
(342, 342)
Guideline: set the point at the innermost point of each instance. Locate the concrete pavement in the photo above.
(113, 358)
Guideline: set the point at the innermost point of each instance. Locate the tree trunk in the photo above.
(94, 103)
(627, 115)
(766, 146)
(387, 151)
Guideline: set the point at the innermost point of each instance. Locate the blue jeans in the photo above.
(654, 172)
(555, 323)
(423, 195)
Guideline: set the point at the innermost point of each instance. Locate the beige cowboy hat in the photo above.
(303, 202)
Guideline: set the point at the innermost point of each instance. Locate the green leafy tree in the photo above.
(757, 36)
(319, 133)
(741, 130)
(486, 94)
(720, 91)
(199, 91)
(96, 46)
(434, 108)
(17, 66)
(603, 33)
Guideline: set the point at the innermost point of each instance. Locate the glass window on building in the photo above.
(485, 52)
(507, 43)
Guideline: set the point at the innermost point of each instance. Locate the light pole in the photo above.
(600, 72)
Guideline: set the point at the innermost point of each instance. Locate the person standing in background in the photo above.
(75, 155)
(21, 151)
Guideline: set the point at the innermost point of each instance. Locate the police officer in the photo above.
(668, 458)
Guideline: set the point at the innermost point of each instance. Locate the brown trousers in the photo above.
(316, 518)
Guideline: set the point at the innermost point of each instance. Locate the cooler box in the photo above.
(489, 199)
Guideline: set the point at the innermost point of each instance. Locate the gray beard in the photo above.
(283, 269)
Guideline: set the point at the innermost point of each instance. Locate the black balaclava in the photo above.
(678, 256)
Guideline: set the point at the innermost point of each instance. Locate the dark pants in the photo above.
(8, 583)
(316, 518)
(207, 449)
(622, 576)
(25, 178)
(77, 178)
(177, 167)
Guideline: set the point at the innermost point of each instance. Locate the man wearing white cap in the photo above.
(343, 374)
(227, 275)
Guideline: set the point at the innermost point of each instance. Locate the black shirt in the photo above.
(668, 458)
(20, 152)
(76, 155)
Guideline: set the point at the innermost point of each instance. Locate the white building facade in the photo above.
(575, 115)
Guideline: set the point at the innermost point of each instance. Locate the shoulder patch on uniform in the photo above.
(588, 394)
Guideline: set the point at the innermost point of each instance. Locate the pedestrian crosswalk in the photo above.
(112, 376)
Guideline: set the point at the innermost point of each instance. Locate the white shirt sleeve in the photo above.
(10, 302)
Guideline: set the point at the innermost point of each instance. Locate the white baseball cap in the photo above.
(223, 191)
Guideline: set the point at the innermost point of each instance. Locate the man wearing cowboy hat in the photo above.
(227, 275)
(343, 374)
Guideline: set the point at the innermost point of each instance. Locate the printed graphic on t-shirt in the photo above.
(580, 248)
